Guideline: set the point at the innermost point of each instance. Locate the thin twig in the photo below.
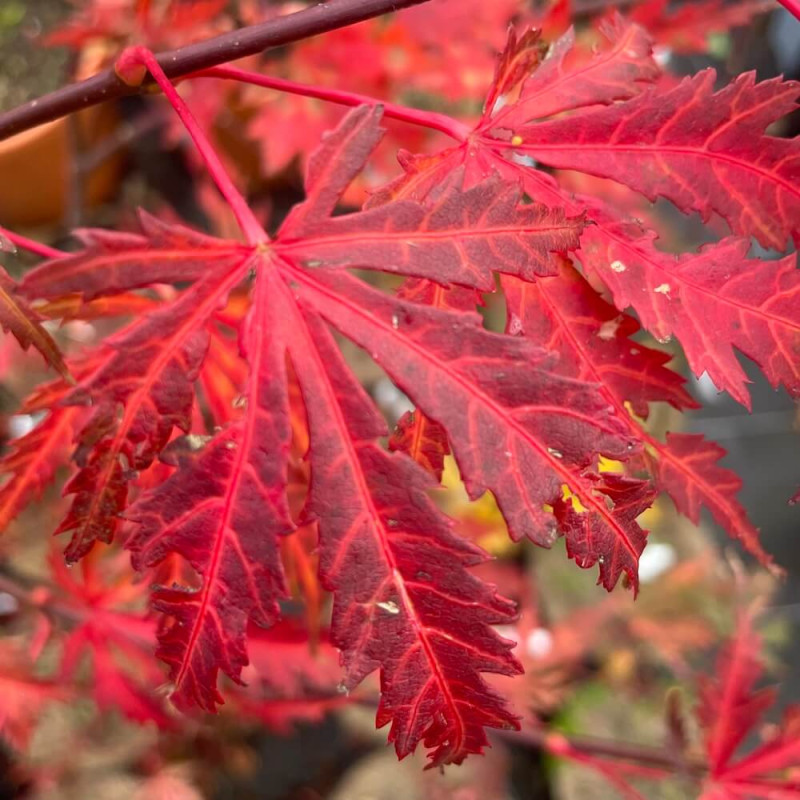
(222, 49)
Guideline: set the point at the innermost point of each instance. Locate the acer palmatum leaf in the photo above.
(110, 262)
(705, 151)
(568, 80)
(19, 319)
(460, 238)
(111, 634)
(415, 434)
(516, 427)
(122, 677)
(33, 461)
(594, 339)
(236, 490)
(148, 369)
(730, 709)
(404, 601)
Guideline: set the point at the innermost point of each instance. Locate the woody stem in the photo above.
(107, 85)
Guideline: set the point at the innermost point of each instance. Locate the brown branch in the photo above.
(222, 49)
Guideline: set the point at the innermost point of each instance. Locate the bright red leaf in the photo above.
(731, 708)
(704, 151)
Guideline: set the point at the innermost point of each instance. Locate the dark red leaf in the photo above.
(148, 370)
(111, 262)
(222, 512)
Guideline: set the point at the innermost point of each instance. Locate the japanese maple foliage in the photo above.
(201, 456)
(731, 707)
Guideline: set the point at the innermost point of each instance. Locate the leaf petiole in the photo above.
(129, 68)
(426, 119)
(24, 243)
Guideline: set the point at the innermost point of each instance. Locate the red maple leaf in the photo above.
(396, 568)
(526, 416)
(716, 301)
(113, 633)
(730, 710)
(688, 28)
(25, 697)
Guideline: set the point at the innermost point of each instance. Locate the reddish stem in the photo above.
(427, 119)
(24, 243)
(128, 68)
(645, 761)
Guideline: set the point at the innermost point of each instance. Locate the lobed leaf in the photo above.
(564, 82)
(111, 262)
(730, 708)
(148, 370)
(222, 512)
(705, 151)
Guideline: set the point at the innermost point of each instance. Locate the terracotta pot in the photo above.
(34, 169)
